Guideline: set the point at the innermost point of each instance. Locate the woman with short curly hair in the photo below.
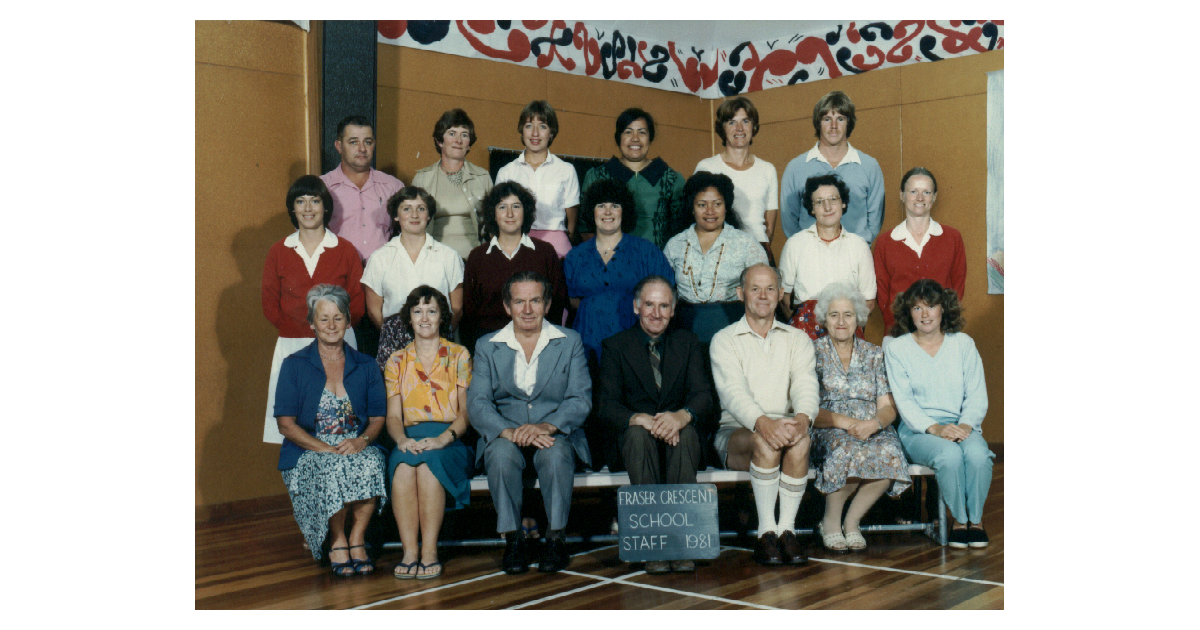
(507, 214)
(936, 375)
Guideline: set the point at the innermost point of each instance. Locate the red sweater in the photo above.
(285, 283)
(485, 275)
(897, 266)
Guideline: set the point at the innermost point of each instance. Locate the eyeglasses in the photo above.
(830, 202)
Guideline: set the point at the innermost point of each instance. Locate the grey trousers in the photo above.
(644, 456)
(505, 462)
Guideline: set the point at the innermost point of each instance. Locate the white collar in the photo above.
(851, 155)
(900, 232)
(525, 240)
(508, 337)
(742, 327)
(549, 158)
(329, 240)
(813, 230)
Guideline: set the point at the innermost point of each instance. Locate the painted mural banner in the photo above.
(694, 67)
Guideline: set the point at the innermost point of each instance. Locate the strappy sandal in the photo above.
(407, 568)
(835, 542)
(529, 528)
(339, 568)
(856, 542)
(429, 576)
(363, 567)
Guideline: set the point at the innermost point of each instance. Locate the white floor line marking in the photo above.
(879, 568)
(601, 581)
(428, 590)
(562, 594)
(443, 586)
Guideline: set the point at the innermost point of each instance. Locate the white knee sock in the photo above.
(791, 490)
(765, 484)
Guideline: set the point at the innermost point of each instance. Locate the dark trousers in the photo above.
(650, 460)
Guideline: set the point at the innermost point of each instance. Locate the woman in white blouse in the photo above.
(708, 258)
(412, 258)
(553, 181)
(824, 253)
(755, 181)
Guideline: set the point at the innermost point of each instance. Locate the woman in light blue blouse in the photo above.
(709, 256)
(602, 272)
(936, 376)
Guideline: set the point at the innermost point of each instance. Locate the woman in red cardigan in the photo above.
(918, 248)
(310, 256)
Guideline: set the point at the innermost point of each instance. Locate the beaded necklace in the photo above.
(688, 270)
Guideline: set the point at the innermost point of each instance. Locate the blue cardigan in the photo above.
(301, 381)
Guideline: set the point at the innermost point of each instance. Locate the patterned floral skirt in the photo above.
(392, 337)
(321, 484)
(838, 456)
(805, 318)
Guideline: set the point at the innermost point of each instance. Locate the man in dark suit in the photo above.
(656, 397)
(530, 393)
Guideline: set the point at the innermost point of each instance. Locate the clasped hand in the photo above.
(663, 426)
(530, 435)
(863, 429)
(783, 432)
(409, 445)
(349, 446)
(952, 432)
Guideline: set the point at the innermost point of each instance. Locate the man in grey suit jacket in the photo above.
(530, 393)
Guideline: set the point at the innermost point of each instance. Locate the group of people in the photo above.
(497, 306)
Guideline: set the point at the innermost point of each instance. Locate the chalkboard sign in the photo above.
(675, 521)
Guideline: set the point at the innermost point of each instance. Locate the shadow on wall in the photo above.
(235, 462)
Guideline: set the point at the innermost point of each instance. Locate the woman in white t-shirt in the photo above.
(552, 180)
(755, 181)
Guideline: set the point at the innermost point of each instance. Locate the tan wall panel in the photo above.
(254, 45)
(250, 146)
(590, 95)
(949, 78)
(424, 71)
(949, 137)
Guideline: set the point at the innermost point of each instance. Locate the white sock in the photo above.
(765, 484)
(791, 490)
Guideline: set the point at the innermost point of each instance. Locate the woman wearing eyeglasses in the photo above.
(824, 253)
(918, 248)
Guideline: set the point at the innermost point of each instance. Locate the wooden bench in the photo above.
(936, 529)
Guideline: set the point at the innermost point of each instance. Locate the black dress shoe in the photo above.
(976, 538)
(554, 556)
(766, 550)
(792, 550)
(958, 538)
(516, 560)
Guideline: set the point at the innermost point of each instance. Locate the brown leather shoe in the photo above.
(766, 550)
(793, 551)
(658, 567)
(683, 566)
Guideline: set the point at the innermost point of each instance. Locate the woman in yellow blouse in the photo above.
(427, 416)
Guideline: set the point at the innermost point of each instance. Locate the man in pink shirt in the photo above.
(360, 193)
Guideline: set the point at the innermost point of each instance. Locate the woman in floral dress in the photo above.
(856, 452)
(427, 384)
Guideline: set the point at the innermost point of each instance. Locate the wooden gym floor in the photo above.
(257, 562)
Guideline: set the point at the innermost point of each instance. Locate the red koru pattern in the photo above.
(575, 48)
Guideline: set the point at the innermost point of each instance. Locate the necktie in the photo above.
(656, 361)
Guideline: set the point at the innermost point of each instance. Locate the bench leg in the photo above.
(943, 534)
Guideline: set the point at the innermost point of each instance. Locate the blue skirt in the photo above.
(452, 466)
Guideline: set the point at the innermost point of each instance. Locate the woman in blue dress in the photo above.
(602, 272)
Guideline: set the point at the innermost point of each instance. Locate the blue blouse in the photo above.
(606, 307)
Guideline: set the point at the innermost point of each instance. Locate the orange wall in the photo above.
(255, 133)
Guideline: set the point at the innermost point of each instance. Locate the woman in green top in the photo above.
(656, 187)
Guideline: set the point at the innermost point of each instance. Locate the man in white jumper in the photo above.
(765, 373)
